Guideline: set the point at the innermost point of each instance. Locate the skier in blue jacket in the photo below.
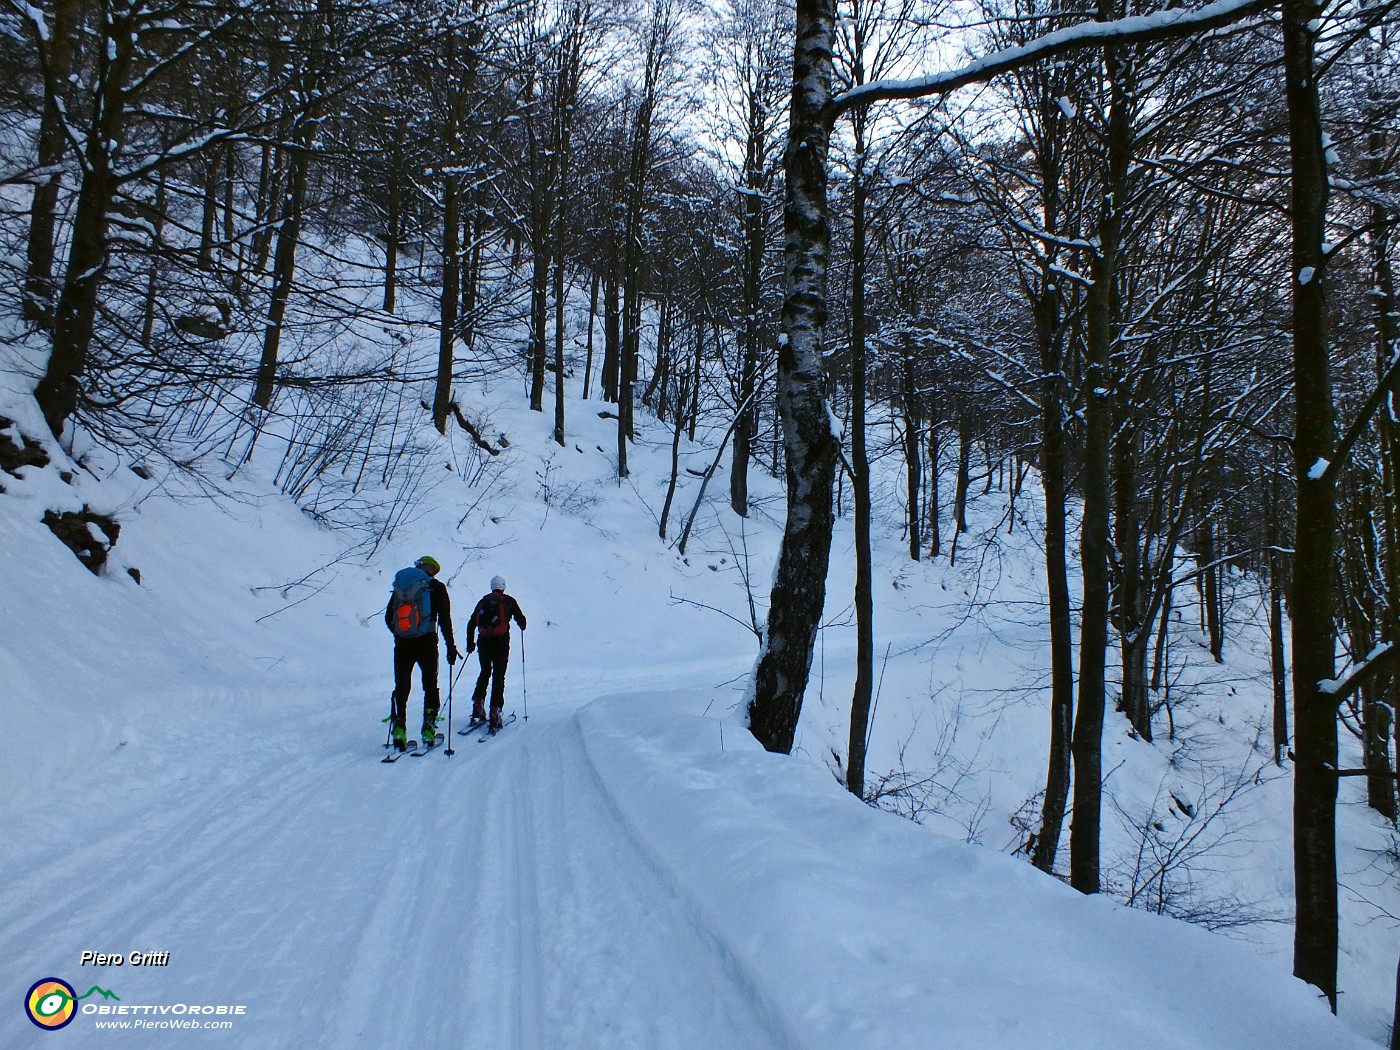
(415, 643)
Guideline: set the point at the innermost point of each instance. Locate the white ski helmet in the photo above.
(498, 583)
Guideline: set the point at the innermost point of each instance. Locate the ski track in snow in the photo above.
(494, 898)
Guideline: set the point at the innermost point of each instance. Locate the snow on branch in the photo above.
(1355, 677)
(1136, 29)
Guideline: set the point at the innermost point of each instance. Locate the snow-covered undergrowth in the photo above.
(191, 766)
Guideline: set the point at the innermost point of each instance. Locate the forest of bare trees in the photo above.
(1138, 256)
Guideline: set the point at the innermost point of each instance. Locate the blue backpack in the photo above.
(411, 604)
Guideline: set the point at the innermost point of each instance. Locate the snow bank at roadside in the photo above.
(871, 933)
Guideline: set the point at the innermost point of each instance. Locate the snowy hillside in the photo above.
(191, 768)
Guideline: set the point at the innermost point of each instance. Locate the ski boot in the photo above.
(400, 738)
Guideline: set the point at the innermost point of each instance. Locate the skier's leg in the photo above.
(498, 683)
(428, 668)
(479, 693)
(403, 682)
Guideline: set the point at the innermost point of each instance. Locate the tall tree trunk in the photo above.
(677, 428)
(450, 298)
(860, 470)
(559, 289)
(268, 200)
(1386, 689)
(1277, 662)
(1315, 715)
(755, 232)
(477, 225)
(75, 315)
(392, 223)
(283, 270)
(1053, 479)
(592, 319)
(913, 460)
(627, 369)
(1130, 597)
(799, 580)
(38, 299)
(1102, 310)
(964, 482)
(209, 215)
(148, 308)
(935, 533)
(539, 307)
(612, 334)
(639, 163)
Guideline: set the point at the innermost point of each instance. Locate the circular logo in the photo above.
(50, 1003)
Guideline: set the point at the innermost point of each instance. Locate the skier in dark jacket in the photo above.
(489, 632)
(417, 644)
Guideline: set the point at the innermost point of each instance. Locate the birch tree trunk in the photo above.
(799, 581)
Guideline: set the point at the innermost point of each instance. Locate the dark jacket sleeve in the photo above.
(442, 609)
(515, 612)
(389, 613)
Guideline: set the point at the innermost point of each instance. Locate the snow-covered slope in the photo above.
(191, 768)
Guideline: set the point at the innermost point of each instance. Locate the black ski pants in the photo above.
(494, 654)
(423, 653)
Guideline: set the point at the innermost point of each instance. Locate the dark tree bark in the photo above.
(393, 220)
(612, 333)
(284, 267)
(964, 482)
(540, 249)
(450, 297)
(75, 314)
(1054, 482)
(860, 468)
(1315, 714)
(935, 532)
(913, 459)
(1130, 613)
(592, 321)
(38, 299)
(1277, 645)
(1102, 311)
(755, 233)
(799, 581)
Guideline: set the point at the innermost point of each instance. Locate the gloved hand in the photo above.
(452, 655)
(471, 648)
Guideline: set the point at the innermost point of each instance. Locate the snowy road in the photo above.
(627, 875)
(494, 898)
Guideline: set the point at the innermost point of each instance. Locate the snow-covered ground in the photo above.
(191, 766)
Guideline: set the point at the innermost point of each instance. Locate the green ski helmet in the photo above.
(429, 565)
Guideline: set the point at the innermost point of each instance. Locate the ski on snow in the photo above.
(415, 749)
(423, 749)
(394, 756)
(492, 732)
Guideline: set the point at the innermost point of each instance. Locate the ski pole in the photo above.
(389, 739)
(524, 692)
(451, 681)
